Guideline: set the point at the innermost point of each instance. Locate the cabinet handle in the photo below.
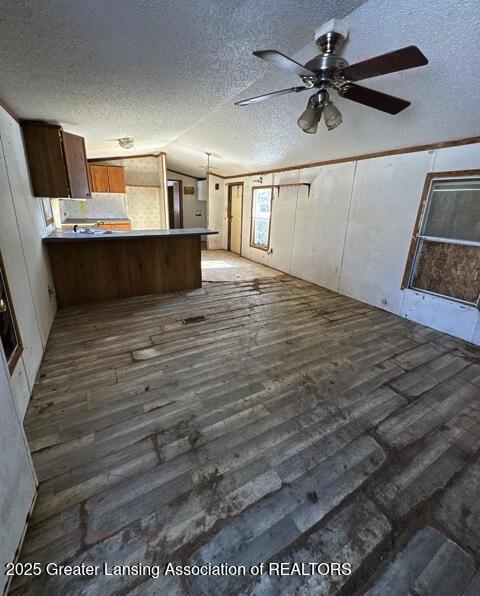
(3, 305)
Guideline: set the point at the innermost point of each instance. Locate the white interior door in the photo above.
(235, 223)
(17, 478)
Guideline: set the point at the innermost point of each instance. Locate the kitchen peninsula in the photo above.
(105, 264)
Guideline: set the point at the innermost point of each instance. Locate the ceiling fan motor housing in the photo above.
(331, 35)
(329, 38)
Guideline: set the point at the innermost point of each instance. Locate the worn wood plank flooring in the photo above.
(292, 424)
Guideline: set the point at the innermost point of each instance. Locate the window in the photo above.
(9, 335)
(446, 257)
(261, 217)
(47, 211)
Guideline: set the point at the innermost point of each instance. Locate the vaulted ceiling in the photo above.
(168, 72)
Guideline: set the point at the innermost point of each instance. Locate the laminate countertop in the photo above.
(99, 234)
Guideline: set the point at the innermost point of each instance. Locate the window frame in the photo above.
(252, 227)
(418, 238)
(47, 210)
(15, 357)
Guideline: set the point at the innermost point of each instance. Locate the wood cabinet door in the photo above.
(76, 162)
(116, 179)
(99, 176)
(45, 159)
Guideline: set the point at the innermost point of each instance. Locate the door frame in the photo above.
(15, 357)
(180, 196)
(229, 214)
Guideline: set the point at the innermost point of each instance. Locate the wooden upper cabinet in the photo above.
(116, 178)
(77, 167)
(107, 178)
(57, 161)
(99, 178)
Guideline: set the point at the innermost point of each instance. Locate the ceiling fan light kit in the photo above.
(332, 115)
(309, 116)
(330, 71)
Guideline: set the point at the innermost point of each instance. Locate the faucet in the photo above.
(96, 224)
(90, 229)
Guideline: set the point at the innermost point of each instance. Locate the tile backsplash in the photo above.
(100, 205)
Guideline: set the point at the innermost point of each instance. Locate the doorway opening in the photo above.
(9, 334)
(175, 204)
(234, 214)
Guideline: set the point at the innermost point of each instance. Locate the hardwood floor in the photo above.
(221, 265)
(291, 424)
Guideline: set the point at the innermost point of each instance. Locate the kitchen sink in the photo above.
(96, 231)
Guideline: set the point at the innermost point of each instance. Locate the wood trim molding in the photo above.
(184, 174)
(15, 357)
(220, 176)
(122, 157)
(180, 190)
(413, 149)
(144, 185)
(423, 199)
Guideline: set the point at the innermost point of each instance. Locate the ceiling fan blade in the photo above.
(409, 57)
(246, 102)
(284, 62)
(374, 99)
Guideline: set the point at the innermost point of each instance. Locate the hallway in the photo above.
(222, 265)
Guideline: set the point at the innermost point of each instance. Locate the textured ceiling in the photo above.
(167, 73)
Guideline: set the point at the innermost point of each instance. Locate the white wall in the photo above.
(385, 198)
(17, 478)
(194, 211)
(22, 226)
(217, 212)
(352, 233)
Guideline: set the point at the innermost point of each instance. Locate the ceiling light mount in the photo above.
(207, 168)
(126, 142)
(331, 36)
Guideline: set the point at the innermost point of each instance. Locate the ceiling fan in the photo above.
(329, 70)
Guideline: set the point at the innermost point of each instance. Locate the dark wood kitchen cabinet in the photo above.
(107, 178)
(57, 161)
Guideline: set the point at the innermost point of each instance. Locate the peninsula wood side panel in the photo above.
(100, 270)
